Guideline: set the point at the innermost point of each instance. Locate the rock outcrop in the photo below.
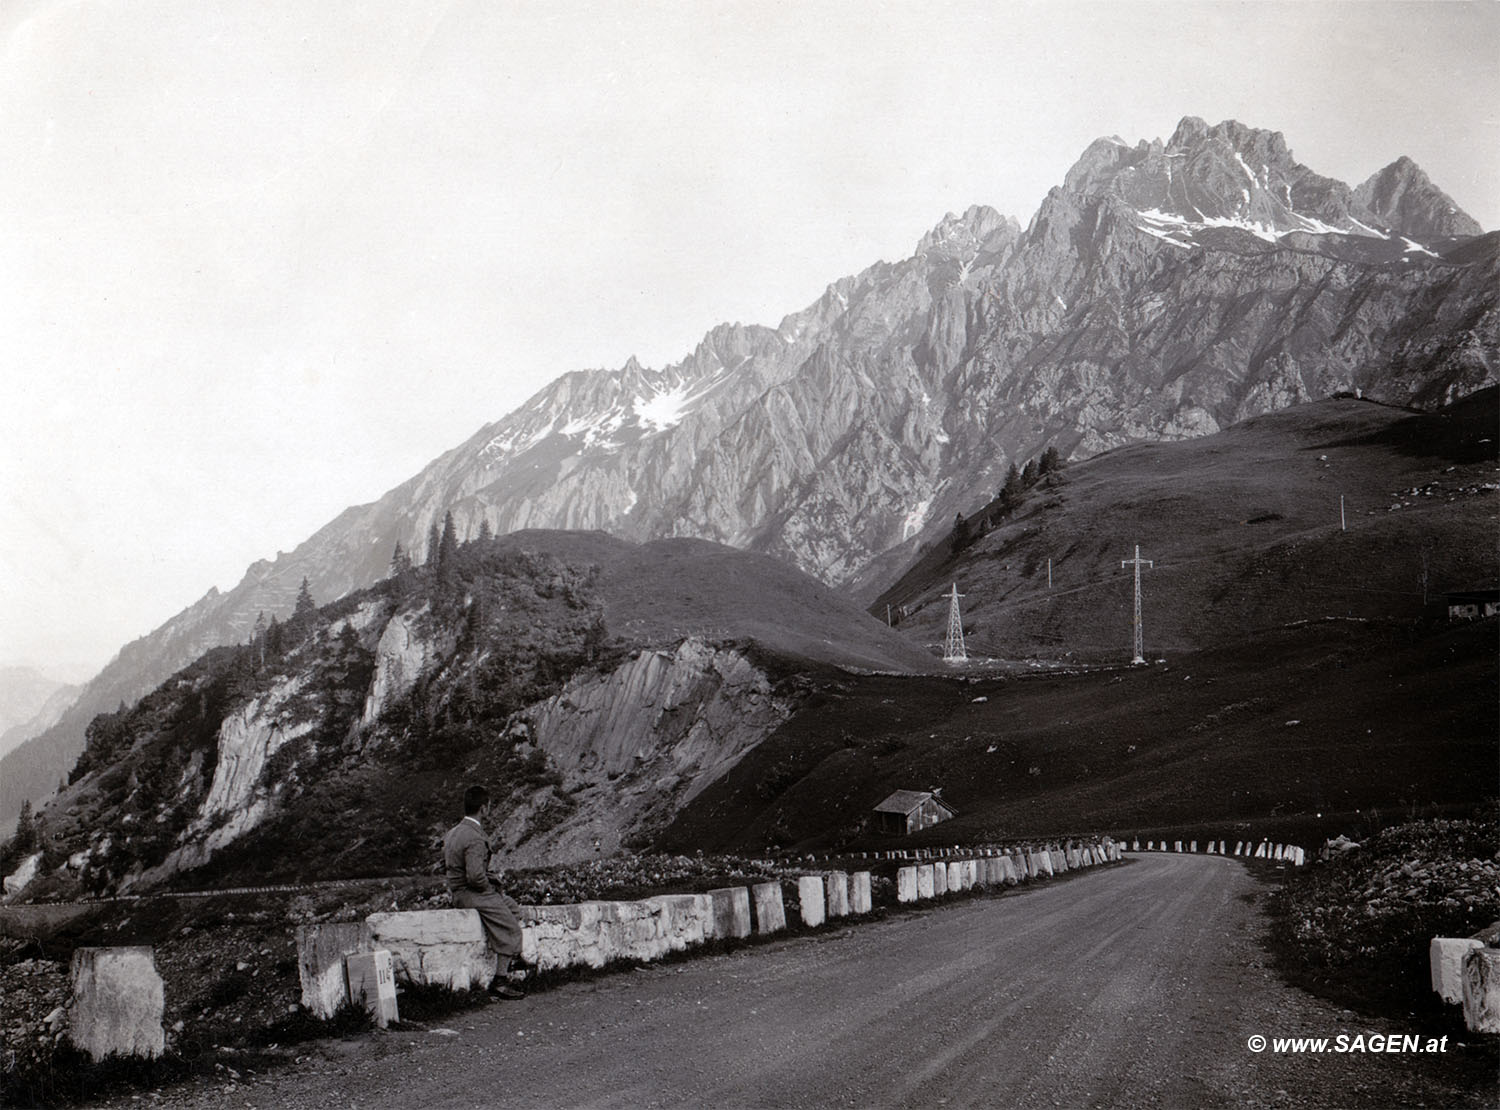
(634, 745)
(240, 796)
(401, 656)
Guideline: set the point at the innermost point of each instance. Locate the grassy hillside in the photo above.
(1300, 668)
(1301, 731)
(1244, 531)
(657, 593)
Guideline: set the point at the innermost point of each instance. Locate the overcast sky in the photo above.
(260, 261)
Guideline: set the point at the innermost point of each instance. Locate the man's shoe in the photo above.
(502, 989)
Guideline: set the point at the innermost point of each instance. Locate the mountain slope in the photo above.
(1164, 291)
(1244, 529)
(595, 684)
(25, 694)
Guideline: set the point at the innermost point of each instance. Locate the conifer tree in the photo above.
(447, 560)
(258, 639)
(305, 606)
(1013, 490)
(434, 535)
(24, 842)
(962, 534)
(449, 542)
(400, 561)
(486, 533)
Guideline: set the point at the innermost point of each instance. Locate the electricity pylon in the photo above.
(955, 652)
(1140, 641)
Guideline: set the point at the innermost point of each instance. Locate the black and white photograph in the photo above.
(738, 554)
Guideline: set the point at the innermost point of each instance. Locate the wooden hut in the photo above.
(907, 811)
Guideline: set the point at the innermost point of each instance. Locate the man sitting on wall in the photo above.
(466, 868)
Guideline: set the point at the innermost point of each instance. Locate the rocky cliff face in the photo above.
(635, 745)
(1165, 290)
(240, 796)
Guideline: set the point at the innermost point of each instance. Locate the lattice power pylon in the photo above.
(954, 651)
(1140, 639)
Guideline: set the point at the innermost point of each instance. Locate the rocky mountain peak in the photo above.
(964, 235)
(1233, 181)
(1404, 197)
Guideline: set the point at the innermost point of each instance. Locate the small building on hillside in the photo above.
(907, 811)
(1472, 605)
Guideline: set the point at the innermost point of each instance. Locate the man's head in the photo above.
(475, 799)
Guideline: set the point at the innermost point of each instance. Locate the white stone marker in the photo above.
(924, 881)
(955, 877)
(836, 893)
(810, 895)
(1193, 847)
(1445, 955)
(859, 892)
(939, 879)
(117, 1003)
(372, 984)
(321, 950)
(770, 910)
(731, 912)
(1482, 990)
(906, 884)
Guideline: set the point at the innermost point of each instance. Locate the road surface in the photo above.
(1130, 986)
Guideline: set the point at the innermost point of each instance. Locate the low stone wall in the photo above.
(447, 947)
(592, 934)
(1265, 849)
(439, 947)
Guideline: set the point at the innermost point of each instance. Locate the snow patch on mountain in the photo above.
(663, 410)
(916, 517)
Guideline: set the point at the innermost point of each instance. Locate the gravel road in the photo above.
(1133, 986)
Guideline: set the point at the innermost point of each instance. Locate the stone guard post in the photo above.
(117, 1003)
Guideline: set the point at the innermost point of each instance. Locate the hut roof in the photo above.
(905, 801)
